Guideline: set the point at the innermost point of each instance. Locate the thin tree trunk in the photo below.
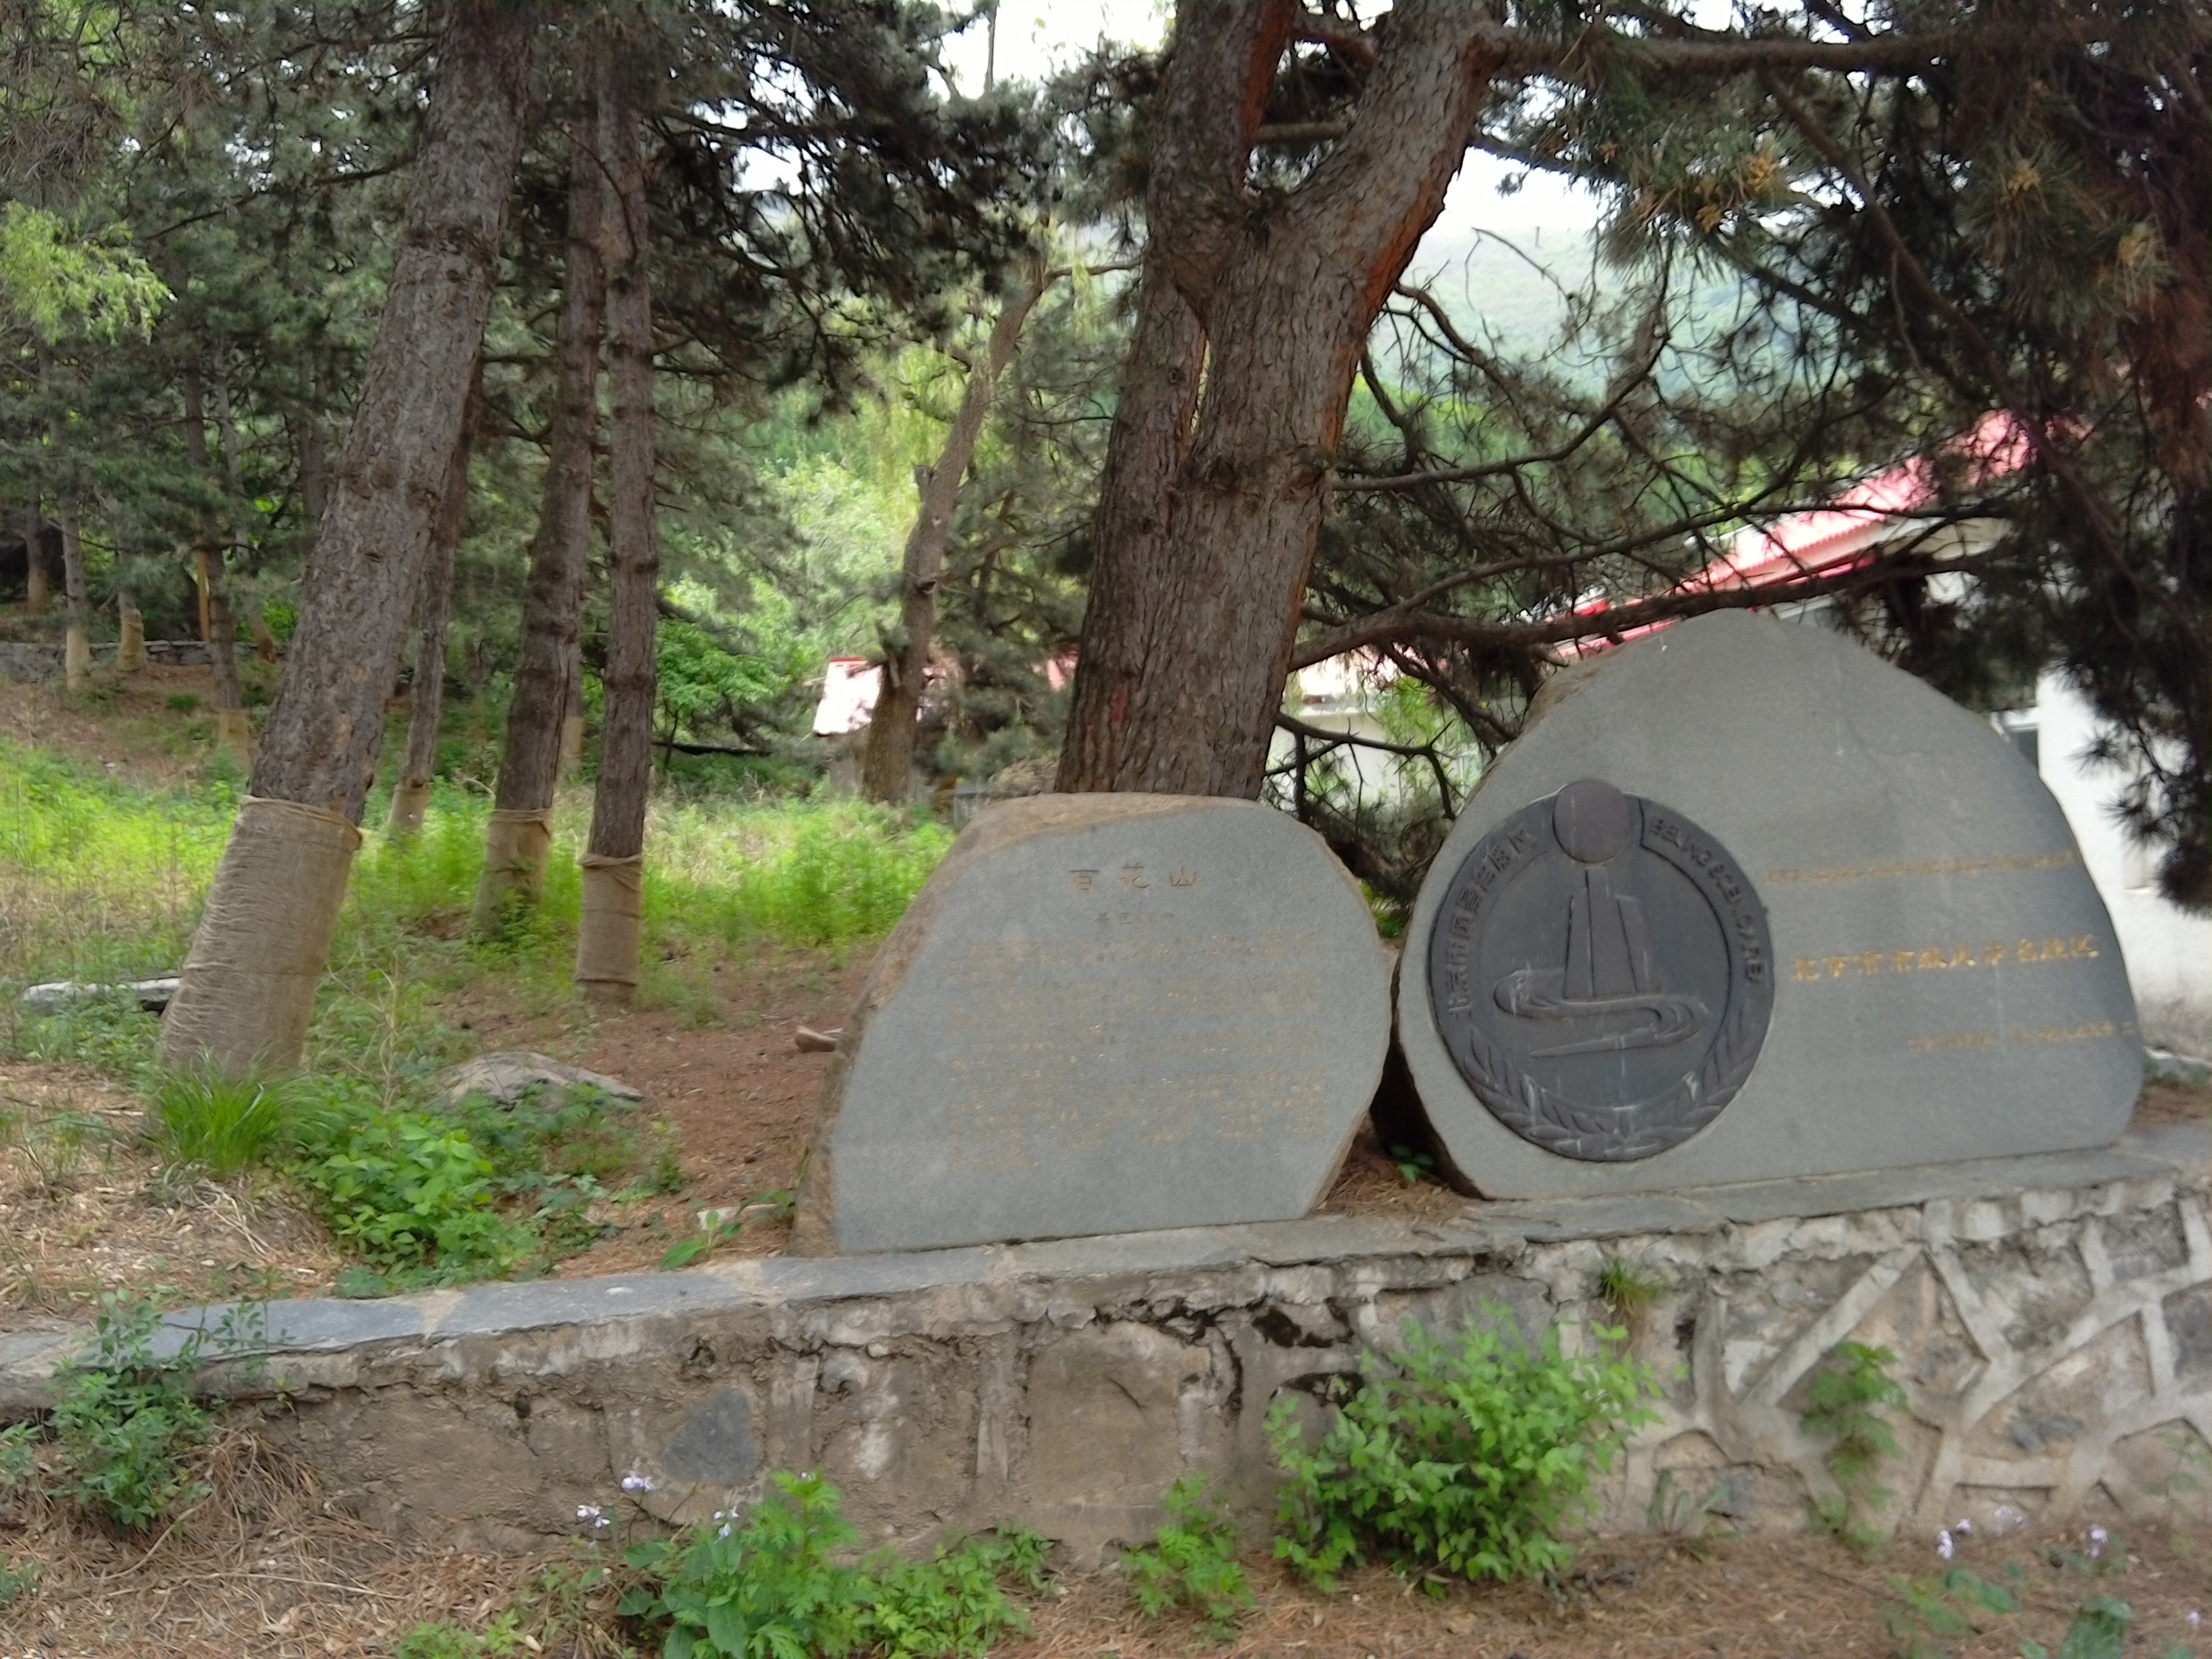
(614, 867)
(426, 697)
(131, 634)
(77, 648)
(572, 723)
(314, 466)
(218, 626)
(35, 590)
(887, 763)
(1189, 632)
(518, 837)
(248, 984)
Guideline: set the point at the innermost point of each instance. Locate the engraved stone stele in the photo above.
(1746, 902)
(1103, 1013)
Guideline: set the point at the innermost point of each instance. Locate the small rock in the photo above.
(153, 994)
(808, 1041)
(505, 1078)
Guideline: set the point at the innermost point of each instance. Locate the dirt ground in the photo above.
(263, 1570)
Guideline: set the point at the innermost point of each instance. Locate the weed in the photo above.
(1411, 1165)
(57, 1145)
(1471, 1457)
(441, 1641)
(1844, 1406)
(771, 1587)
(1191, 1563)
(17, 1580)
(183, 701)
(1629, 1290)
(1671, 1513)
(1938, 1609)
(222, 1125)
(126, 1422)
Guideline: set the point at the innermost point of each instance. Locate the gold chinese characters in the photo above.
(1934, 957)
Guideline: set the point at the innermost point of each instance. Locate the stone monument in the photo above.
(1103, 1013)
(1748, 903)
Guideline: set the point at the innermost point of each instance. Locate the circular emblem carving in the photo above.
(1601, 973)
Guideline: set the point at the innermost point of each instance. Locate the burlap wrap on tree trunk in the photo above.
(130, 651)
(607, 942)
(518, 843)
(76, 660)
(248, 984)
(408, 802)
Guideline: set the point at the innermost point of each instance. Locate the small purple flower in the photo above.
(592, 1514)
(635, 1482)
(1964, 1526)
(1944, 1547)
(2195, 1621)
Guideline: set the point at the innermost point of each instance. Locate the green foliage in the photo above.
(1627, 1289)
(1938, 1609)
(455, 1191)
(442, 1641)
(1411, 1165)
(2099, 1629)
(1191, 1562)
(771, 1587)
(221, 1124)
(1471, 1456)
(127, 1421)
(17, 1580)
(51, 279)
(1844, 1406)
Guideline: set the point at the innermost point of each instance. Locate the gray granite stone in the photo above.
(1947, 984)
(1103, 1014)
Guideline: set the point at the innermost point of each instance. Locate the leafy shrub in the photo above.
(1191, 1562)
(770, 1587)
(1844, 1406)
(412, 1194)
(126, 1422)
(443, 1641)
(1469, 1456)
(221, 1124)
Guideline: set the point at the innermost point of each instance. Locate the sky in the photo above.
(1035, 37)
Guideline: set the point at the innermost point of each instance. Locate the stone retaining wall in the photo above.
(2052, 1317)
(34, 662)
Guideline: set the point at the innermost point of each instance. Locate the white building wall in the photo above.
(2169, 951)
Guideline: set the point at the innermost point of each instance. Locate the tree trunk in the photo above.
(887, 764)
(1200, 573)
(614, 867)
(426, 697)
(1151, 429)
(35, 590)
(218, 626)
(76, 647)
(131, 634)
(572, 723)
(518, 838)
(249, 981)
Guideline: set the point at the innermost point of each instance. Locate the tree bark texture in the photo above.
(35, 589)
(76, 647)
(130, 635)
(887, 763)
(218, 626)
(249, 980)
(614, 866)
(1196, 588)
(518, 836)
(572, 723)
(426, 697)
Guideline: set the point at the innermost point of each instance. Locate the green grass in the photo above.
(222, 1125)
(101, 881)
